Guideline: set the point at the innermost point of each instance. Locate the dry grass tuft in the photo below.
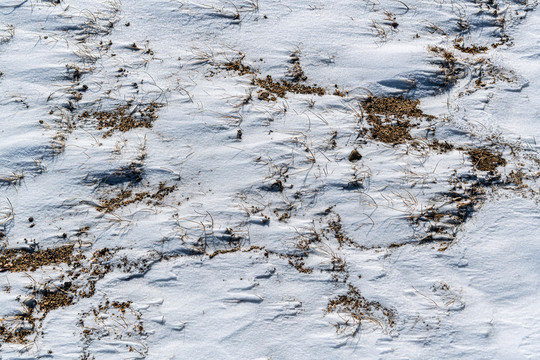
(127, 197)
(451, 69)
(356, 309)
(238, 66)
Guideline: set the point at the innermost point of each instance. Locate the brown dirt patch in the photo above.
(238, 66)
(281, 88)
(486, 160)
(124, 118)
(397, 107)
(392, 133)
(15, 260)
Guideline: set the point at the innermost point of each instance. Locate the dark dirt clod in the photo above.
(354, 156)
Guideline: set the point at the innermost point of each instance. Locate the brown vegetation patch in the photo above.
(356, 309)
(127, 197)
(336, 229)
(281, 88)
(392, 133)
(235, 249)
(397, 107)
(238, 66)
(296, 73)
(15, 260)
(441, 147)
(485, 160)
(473, 49)
(451, 69)
(17, 331)
(54, 299)
(124, 118)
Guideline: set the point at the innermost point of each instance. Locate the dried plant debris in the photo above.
(392, 118)
(15, 260)
(451, 69)
(397, 133)
(394, 107)
(116, 321)
(17, 329)
(488, 74)
(237, 65)
(124, 118)
(54, 297)
(235, 249)
(72, 284)
(356, 309)
(281, 88)
(486, 160)
(335, 229)
(272, 89)
(75, 282)
(441, 221)
(471, 49)
(126, 197)
(441, 146)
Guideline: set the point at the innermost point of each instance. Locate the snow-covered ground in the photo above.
(269, 179)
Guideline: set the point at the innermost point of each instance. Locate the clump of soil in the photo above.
(485, 160)
(354, 156)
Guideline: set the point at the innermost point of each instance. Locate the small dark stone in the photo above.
(30, 303)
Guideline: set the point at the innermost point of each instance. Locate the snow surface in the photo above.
(472, 294)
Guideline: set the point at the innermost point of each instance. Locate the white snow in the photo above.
(212, 269)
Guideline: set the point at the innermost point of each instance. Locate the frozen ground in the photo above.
(163, 198)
